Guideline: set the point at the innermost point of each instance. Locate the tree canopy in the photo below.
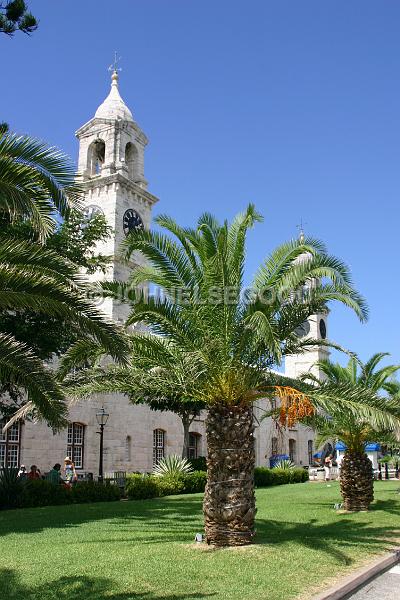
(15, 16)
(37, 188)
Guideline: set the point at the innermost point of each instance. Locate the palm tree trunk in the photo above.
(229, 500)
(186, 422)
(356, 481)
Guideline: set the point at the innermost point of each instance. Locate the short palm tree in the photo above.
(37, 185)
(169, 386)
(355, 428)
(232, 333)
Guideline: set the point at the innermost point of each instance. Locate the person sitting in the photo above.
(34, 473)
(54, 476)
(22, 474)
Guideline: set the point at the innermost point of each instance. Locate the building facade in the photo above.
(111, 161)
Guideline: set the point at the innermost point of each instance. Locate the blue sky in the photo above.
(293, 105)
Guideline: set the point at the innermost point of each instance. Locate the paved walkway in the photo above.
(384, 587)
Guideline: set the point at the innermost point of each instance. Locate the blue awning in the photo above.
(373, 447)
(340, 446)
(370, 447)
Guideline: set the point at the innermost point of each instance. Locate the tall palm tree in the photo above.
(355, 428)
(37, 185)
(234, 334)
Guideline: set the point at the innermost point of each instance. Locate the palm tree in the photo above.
(37, 185)
(166, 387)
(36, 182)
(357, 427)
(233, 334)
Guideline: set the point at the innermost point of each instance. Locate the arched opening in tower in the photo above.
(131, 154)
(96, 156)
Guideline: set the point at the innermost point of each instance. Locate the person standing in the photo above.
(327, 467)
(69, 471)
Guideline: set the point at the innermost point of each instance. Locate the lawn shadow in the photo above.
(178, 518)
(182, 513)
(389, 506)
(332, 538)
(79, 588)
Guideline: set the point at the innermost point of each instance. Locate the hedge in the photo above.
(199, 463)
(264, 477)
(40, 492)
(139, 487)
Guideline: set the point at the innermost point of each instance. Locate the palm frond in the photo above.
(35, 180)
(18, 362)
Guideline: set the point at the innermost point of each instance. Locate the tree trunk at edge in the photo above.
(356, 481)
(229, 500)
(186, 422)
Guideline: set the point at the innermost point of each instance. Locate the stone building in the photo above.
(111, 160)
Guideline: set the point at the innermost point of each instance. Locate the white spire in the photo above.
(113, 106)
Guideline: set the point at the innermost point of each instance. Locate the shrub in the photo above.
(280, 476)
(11, 487)
(91, 491)
(169, 485)
(38, 492)
(194, 482)
(284, 464)
(264, 477)
(199, 464)
(172, 465)
(299, 475)
(140, 487)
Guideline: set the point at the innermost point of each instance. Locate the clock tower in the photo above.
(111, 163)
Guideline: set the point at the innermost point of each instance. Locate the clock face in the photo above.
(131, 221)
(92, 210)
(322, 329)
(303, 329)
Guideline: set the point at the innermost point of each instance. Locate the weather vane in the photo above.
(114, 66)
(301, 230)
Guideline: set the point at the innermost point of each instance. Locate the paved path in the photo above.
(384, 587)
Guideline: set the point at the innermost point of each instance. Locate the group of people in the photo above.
(67, 476)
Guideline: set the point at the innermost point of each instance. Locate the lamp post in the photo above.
(102, 418)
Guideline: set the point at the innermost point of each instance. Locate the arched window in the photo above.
(310, 448)
(128, 448)
(158, 445)
(274, 446)
(131, 160)
(96, 156)
(292, 450)
(10, 445)
(194, 449)
(76, 443)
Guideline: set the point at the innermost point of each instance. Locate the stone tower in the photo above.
(111, 163)
(314, 327)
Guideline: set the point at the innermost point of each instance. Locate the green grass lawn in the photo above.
(145, 550)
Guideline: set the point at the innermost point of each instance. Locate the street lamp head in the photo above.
(102, 416)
